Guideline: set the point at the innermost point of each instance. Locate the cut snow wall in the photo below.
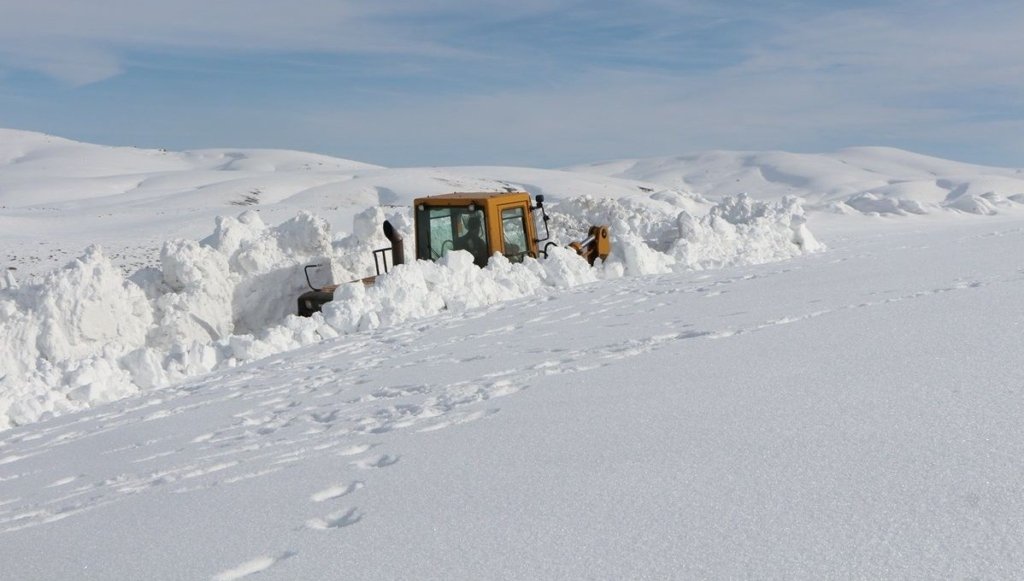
(86, 335)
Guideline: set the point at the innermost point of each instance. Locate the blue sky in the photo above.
(539, 83)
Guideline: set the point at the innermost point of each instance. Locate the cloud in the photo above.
(89, 41)
(559, 81)
(45, 35)
(71, 62)
(784, 96)
(922, 47)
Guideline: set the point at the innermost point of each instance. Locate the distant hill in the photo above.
(42, 170)
(868, 179)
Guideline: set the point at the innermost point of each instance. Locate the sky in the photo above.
(535, 83)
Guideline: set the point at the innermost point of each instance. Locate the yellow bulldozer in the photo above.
(481, 223)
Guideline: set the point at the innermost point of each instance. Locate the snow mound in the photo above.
(651, 239)
(869, 203)
(86, 334)
(454, 284)
(741, 230)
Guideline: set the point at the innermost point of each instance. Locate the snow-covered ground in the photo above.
(725, 397)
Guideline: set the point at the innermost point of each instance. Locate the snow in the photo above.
(89, 334)
(750, 386)
(86, 334)
(866, 179)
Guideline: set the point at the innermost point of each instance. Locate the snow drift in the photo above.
(87, 334)
(651, 239)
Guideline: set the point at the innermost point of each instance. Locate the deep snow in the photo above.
(724, 398)
(90, 333)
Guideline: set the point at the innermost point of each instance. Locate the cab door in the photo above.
(515, 236)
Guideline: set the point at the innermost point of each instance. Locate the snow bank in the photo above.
(960, 199)
(651, 239)
(86, 334)
(868, 203)
(741, 230)
(454, 284)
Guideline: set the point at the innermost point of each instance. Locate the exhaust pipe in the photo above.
(397, 246)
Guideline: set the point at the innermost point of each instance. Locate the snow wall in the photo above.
(86, 334)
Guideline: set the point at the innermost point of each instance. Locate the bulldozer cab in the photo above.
(479, 223)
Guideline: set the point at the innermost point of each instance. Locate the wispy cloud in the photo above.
(341, 25)
(83, 41)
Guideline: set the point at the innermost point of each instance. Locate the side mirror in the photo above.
(306, 270)
(544, 217)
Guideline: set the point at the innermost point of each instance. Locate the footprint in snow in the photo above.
(454, 419)
(62, 482)
(355, 449)
(336, 491)
(254, 566)
(335, 520)
(382, 461)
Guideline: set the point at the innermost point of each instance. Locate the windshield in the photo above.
(440, 230)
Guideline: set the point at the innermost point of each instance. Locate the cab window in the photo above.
(513, 227)
(441, 229)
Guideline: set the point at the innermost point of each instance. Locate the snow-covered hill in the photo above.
(724, 397)
(865, 179)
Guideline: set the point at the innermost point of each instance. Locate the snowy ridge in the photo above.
(864, 179)
(37, 169)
